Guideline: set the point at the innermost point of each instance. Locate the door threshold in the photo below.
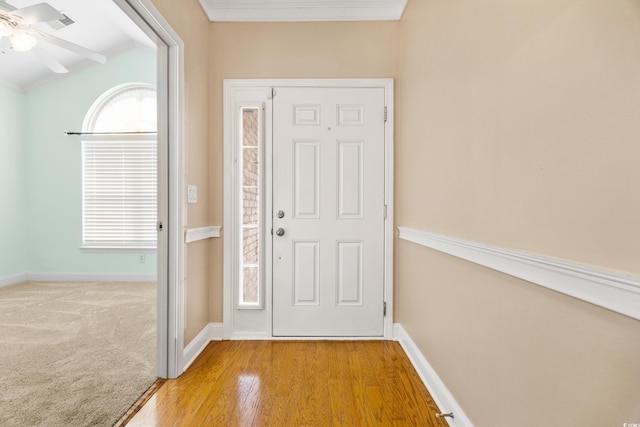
(135, 408)
(254, 337)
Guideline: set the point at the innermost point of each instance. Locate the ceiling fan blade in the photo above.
(41, 12)
(73, 47)
(48, 60)
(6, 7)
(5, 44)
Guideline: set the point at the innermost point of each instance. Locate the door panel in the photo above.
(328, 179)
(306, 273)
(306, 183)
(350, 180)
(350, 268)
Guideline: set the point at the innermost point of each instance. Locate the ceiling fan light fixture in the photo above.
(5, 28)
(22, 42)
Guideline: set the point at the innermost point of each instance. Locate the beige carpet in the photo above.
(74, 354)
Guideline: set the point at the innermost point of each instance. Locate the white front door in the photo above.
(328, 211)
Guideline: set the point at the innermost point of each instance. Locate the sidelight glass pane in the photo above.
(250, 284)
(250, 134)
(250, 246)
(250, 166)
(250, 206)
(250, 191)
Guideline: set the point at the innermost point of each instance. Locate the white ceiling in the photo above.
(99, 25)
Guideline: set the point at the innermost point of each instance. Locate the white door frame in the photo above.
(232, 90)
(170, 277)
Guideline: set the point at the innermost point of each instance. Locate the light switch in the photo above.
(192, 194)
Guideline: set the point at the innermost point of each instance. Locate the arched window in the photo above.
(119, 169)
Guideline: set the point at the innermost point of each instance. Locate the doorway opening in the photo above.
(169, 226)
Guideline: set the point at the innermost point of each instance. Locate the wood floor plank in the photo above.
(294, 383)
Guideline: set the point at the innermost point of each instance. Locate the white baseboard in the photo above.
(215, 331)
(438, 390)
(211, 332)
(250, 336)
(90, 277)
(13, 279)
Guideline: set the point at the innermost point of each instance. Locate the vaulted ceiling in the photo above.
(98, 25)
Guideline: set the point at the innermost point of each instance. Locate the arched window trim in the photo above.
(102, 230)
(104, 99)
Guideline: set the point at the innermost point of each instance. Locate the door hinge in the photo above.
(160, 226)
(273, 92)
(384, 212)
(384, 309)
(385, 114)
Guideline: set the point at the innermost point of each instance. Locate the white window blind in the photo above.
(120, 172)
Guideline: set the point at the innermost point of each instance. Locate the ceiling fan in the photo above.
(17, 32)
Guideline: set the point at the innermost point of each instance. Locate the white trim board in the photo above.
(437, 389)
(249, 336)
(604, 288)
(211, 332)
(315, 10)
(201, 233)
(75, 277)
(170, 274)
(90, 277)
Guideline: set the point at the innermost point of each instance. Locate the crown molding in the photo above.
(9, 85)
(302, 10)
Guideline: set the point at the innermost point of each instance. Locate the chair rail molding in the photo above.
(201, 233)
(611, 290)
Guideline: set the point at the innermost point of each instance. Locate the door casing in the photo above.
(257, 323)
(170, 274)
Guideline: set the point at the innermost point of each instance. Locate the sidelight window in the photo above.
(250, 156)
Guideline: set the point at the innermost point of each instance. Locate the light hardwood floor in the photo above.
(272, 383)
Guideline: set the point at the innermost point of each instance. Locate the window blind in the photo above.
(119, 192)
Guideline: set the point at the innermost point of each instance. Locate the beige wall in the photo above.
(191, 24)
(286, 50)
(517, 124)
